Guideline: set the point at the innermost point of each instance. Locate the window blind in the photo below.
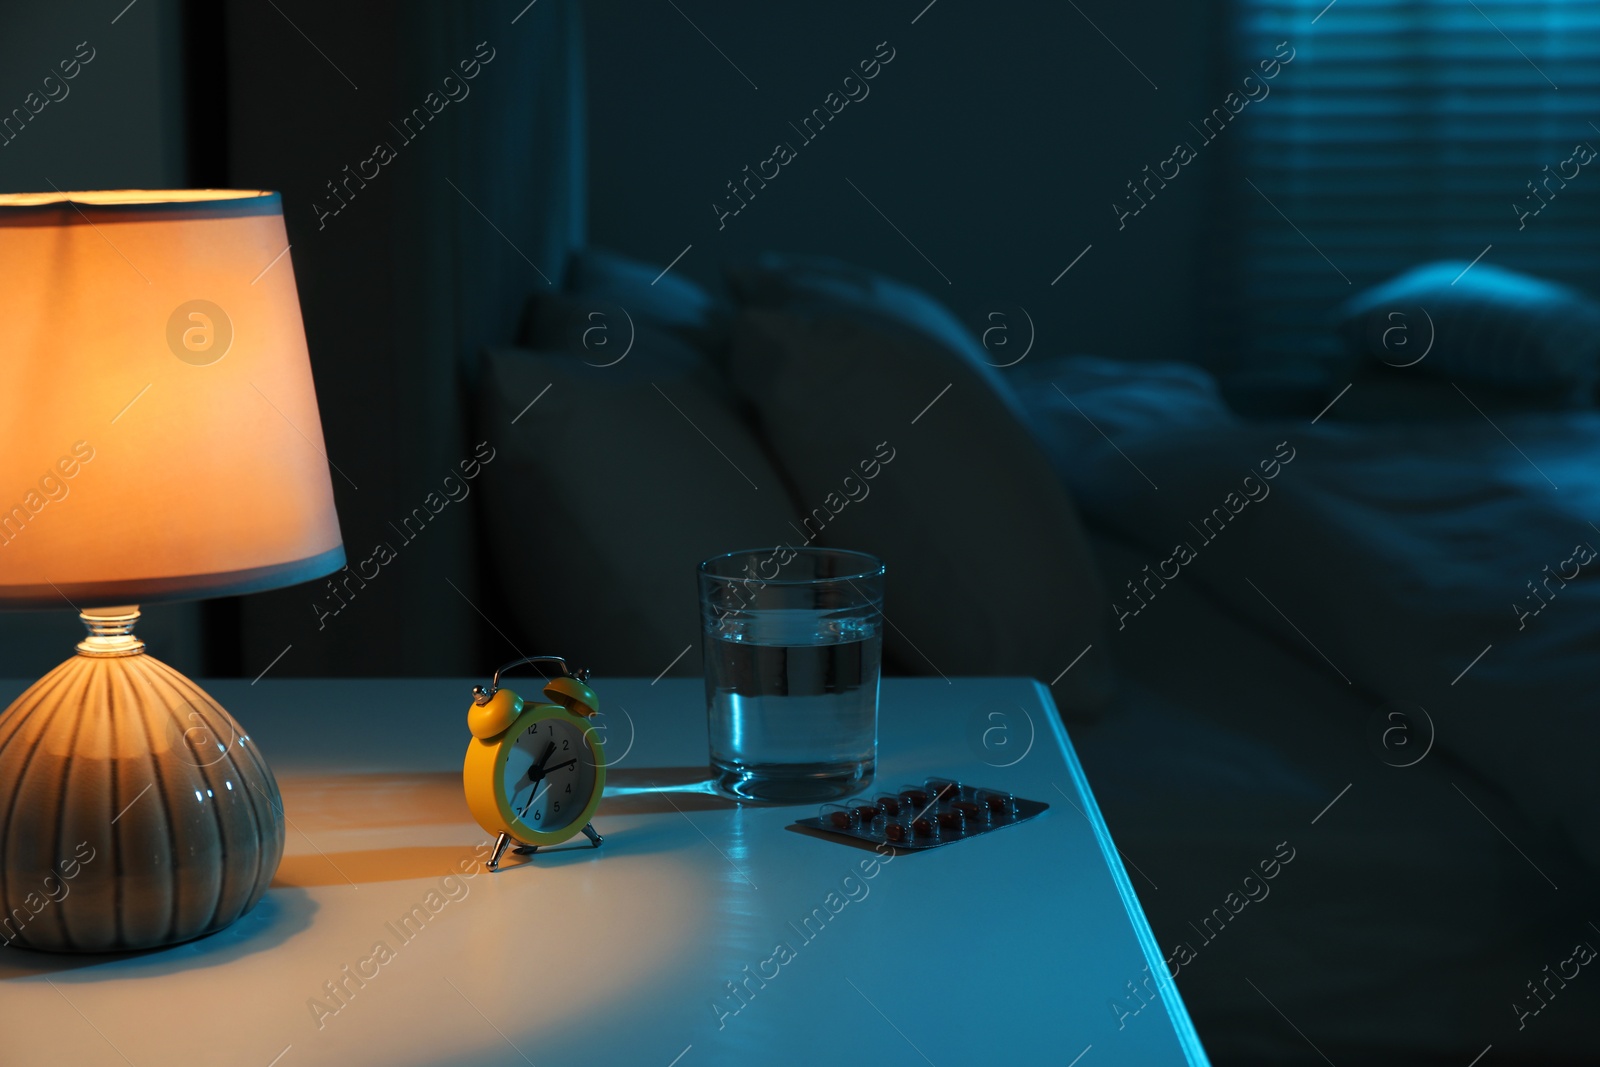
(1405, 131)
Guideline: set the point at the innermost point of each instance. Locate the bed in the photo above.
(1270, 691)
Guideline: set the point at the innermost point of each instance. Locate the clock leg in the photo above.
(499, 850)
(593, 836)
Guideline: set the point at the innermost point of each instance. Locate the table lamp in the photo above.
(159, 440)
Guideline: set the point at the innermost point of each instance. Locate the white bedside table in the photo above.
(661, 948)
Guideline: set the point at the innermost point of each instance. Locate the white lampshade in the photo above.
(159, 431)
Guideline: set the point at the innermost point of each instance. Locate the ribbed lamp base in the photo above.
(134, 811)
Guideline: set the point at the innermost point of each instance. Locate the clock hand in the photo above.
(546, 771)
(535, 773)
(549, 750)
(537, 793)
(543, 771)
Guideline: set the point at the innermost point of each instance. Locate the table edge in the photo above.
(1171, 999)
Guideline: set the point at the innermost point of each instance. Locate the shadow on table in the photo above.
(320, 802)
(367, 866)
(280, 915)
(660, 790)
(317, 802)
(379, 801)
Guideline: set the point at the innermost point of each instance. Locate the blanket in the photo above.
(1447, 572)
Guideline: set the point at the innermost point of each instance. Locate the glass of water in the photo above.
(793, 641)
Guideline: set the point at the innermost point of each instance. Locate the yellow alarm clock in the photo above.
(534, 773)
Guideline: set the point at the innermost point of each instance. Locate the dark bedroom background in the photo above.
(236, 96)
(1214, 192)
(1392, 137)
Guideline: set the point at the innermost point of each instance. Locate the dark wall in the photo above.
(120, 122)
(403, 280)
(1034, 95)
(996, 140)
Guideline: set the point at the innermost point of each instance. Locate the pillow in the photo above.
(1488, 325)
(609, 490)
(608, 296)
(819, 284)
(1127, 396)
(913, 450)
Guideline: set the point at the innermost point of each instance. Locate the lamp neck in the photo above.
(110, 632)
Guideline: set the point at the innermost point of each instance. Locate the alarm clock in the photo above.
(534, 773)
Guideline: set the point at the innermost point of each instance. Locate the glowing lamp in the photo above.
(159, 440)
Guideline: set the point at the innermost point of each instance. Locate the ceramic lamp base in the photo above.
(134, 811)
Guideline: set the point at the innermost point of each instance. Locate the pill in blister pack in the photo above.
(937, 812)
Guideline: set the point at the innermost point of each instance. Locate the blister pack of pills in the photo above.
(935, 813)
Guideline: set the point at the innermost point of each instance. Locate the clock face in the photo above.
(549, 775)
